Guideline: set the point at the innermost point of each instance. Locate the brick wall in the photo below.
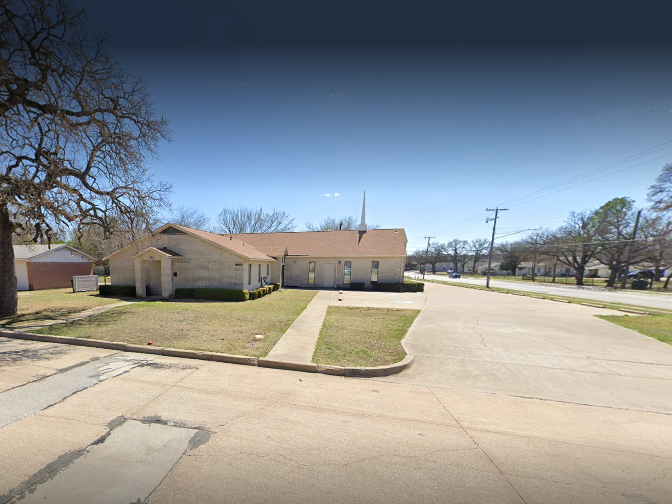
(296, 270)
(51, 275)
(202, 264)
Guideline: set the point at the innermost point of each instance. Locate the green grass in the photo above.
(658, 326)
(39, 305)
(196, 325)
(353, 336)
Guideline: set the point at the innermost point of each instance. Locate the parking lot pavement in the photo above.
(490, 342)
(180, 430)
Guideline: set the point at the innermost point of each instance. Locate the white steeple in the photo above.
(362, 225)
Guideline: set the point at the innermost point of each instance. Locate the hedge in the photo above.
(213, 294)
(414, 287)
(276, 286)
(117, 290)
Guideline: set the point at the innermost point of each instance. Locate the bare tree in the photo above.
(247, 220)
(437, 254)
(479, 250)
(660, 193)
(190, 217)
(456, 249)
(577, 242)
(76, 131)
(332, 224)
(343, 224)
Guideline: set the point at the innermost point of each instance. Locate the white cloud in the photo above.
(327, 194)
(336, 194)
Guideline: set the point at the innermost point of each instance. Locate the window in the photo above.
(268, 266)
(347, 270)
(249, 274)
(259, 279)
(374, 271)
(311, 272)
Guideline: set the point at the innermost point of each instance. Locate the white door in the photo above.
(329, 274)
(21, 269)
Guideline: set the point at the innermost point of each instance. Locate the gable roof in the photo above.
(266, 246)
(31, 251)
(234, 245)
(373, 243)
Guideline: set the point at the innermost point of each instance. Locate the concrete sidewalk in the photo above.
(298, 343)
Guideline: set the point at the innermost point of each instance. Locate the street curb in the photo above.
(592, 305)
(358, 372)
(307, 367)
(626, 310)
(367, 372)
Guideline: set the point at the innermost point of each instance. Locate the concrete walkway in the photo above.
(298, 343)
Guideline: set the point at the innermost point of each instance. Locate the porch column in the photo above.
(140, 290)
(166, 278)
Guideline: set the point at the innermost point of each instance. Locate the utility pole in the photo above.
(624, 282)
(424, 267)
(492, 241)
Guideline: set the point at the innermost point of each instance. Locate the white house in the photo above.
(42, 267)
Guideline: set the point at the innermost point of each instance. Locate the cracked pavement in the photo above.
(542, 415)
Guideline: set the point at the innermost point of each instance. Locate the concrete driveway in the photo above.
(518, 346)
(97, 426)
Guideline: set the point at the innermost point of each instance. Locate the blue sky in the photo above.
(434, 133)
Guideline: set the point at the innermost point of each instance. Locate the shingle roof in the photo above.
(28, 251)
(373, 243)
(233, 243)
(163, 251)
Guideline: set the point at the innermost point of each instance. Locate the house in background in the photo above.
(40, 267)
(175, 257)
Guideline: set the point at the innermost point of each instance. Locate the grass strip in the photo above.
(358, 337)
(658, 326)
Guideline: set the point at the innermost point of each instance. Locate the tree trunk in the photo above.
(580, 272)
(8, 299)
(612, 277)
(667, 281)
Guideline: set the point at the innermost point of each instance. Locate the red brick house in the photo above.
(40, 267)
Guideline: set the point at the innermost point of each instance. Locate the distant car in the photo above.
(455, 275)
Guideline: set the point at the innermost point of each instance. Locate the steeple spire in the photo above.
(362, 224)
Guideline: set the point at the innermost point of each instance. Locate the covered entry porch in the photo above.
(154, 272)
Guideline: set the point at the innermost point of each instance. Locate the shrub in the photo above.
(276, 286)
(252, 294)
(357, 285)
(185, 293)
(414, 287)
(640, 284)
(212, 294)
(387, 287)
(117, 290)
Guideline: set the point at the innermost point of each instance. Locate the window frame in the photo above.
(347, 272)
(311, 272)
(249, 273)
(374, 270)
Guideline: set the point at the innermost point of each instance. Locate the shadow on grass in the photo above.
(47, 314)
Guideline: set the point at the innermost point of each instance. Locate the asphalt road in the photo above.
(630, 297)
(484, 426)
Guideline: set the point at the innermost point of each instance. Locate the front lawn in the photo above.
(212, 326)
(353, 336)
(39, 305)
(658, 326)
